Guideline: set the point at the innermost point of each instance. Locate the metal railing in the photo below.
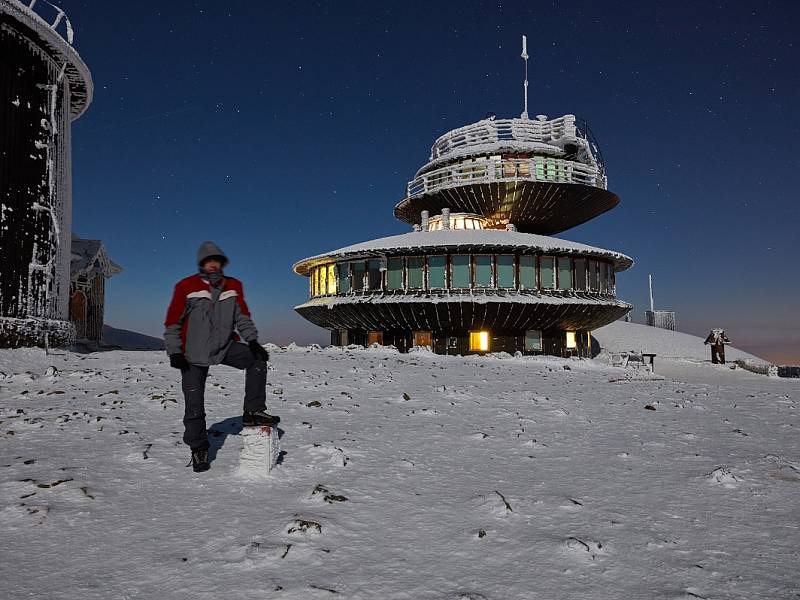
(488, 170)
(53, 16)
(493, 131)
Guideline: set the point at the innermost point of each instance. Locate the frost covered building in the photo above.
(44, 86)
(479, 271)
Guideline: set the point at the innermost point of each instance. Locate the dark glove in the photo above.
(258, 350)
(178, 361)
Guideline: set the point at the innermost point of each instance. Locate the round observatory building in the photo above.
(44, 86)
(479, 273)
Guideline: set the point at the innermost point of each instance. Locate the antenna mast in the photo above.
(524, 56)
(650, 281)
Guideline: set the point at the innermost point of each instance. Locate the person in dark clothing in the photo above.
(717, 339)
(206, 311)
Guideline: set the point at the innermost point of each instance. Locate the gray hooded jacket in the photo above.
(205, 313)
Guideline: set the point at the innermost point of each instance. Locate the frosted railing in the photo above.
(522, 130)
(538, 168)
(52, 15)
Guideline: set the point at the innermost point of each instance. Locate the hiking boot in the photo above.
(200, 460)
(255, 418)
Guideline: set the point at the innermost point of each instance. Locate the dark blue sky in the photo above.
(281, 130)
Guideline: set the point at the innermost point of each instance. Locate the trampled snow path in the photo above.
(405, 476)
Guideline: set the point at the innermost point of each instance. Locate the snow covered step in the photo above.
(260, 451)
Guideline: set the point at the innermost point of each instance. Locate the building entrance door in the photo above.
(423, 338)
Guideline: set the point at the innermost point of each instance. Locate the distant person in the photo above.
(206, 310)
(717, 339)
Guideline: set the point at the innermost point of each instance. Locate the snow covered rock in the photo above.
(260, 451)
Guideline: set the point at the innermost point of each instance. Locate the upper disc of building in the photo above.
(50, 28)
(543, 176)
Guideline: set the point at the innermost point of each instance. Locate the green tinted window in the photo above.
(564, 273)
(547, 273)
(459, 265)
(533, 339)
(505, 271)
(414, 266)
(394, 273)
(527, 272)
(483, 270)
(358, 275)
(343, 275)
(436, 272)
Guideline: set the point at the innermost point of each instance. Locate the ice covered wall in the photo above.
(41, 79)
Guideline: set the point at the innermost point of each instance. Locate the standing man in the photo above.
(205, 310)
(717, 339)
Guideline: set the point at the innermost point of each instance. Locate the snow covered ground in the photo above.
(408, 476)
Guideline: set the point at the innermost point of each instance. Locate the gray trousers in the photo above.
(193, 382)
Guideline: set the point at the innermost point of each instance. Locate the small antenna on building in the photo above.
(524, 56)
(650, 281)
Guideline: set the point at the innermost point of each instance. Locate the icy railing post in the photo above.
(424, 216)
(445, 218)
(260, 451)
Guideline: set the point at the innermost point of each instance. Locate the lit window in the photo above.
(527, 272)
(564, 273)
(571, 343)
(505, 271)
(394, 273)
(459, 275)
(547, 272)
(533, 340)
(331, 279)
(423, 338)
(436, 266)
(479, 341)
(375, 337)
(483, 270)
(414, 266)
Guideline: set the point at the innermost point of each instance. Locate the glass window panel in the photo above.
(394, 273)
(331, 279)
(547, 273)
(580, 273)
(358, 275)
(483, 270)
(603, 279)
(313, 280)
(527, 272)
(459, 276)
(505, 271)
(344, 277)
(374, 273)
(320, 281)
(414, 271)
(533, 339)
(593, 276)
(564, 273)
(571, 341)
(479, 341)
(436, 265)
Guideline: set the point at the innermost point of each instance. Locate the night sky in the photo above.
(282, 130)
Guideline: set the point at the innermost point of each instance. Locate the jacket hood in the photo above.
(208, 249)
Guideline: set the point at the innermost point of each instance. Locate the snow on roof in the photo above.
(433, 298)
(494, 239)
(88, 255)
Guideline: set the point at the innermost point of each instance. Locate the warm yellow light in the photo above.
(571, 343)
(479, 340)
(331, 279)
